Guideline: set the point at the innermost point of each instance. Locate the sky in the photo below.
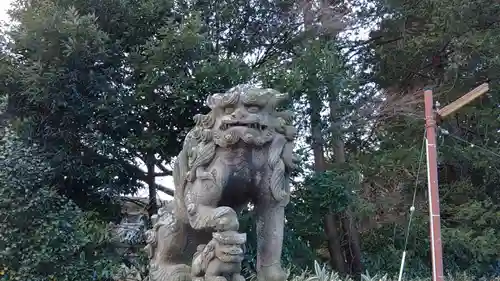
(4, 5)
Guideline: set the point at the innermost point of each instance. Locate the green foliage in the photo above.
(449, 45)
(59, 77)
(44, 235)
(469, 216)
(321, 273)
(93, 86)
(334, 186)
(321, 194)
(384, 246)
(102, 84)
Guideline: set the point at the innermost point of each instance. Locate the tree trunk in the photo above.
(316, 133)
(330, 226)
(337, 260)
(352, 247)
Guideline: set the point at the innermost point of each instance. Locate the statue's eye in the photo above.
(229, 110)
(253, 109)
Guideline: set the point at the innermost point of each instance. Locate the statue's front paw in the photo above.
(271, 273)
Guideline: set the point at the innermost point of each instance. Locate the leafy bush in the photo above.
(469, 246)
(321, 273)
(43, 235)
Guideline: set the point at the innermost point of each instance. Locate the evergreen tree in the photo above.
(45, 236)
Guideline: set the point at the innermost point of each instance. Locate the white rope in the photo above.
(412, 209)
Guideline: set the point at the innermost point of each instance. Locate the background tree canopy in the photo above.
(100, 94)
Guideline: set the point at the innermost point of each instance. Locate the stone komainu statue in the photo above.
(238, 153)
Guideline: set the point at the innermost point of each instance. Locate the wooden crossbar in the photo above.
(463, 100)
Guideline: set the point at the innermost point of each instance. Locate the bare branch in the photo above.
(135, 201)
(164, 189)
(165, 171)
(163, 174)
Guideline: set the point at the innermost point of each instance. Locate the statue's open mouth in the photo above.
(256, 126)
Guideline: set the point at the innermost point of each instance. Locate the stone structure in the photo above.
(220, 259)
(129, 234)
(240, 152)
(128, 237)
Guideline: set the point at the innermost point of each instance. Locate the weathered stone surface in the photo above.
(240, 152)
(221, 257)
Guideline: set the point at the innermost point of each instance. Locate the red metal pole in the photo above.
(432, 182)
